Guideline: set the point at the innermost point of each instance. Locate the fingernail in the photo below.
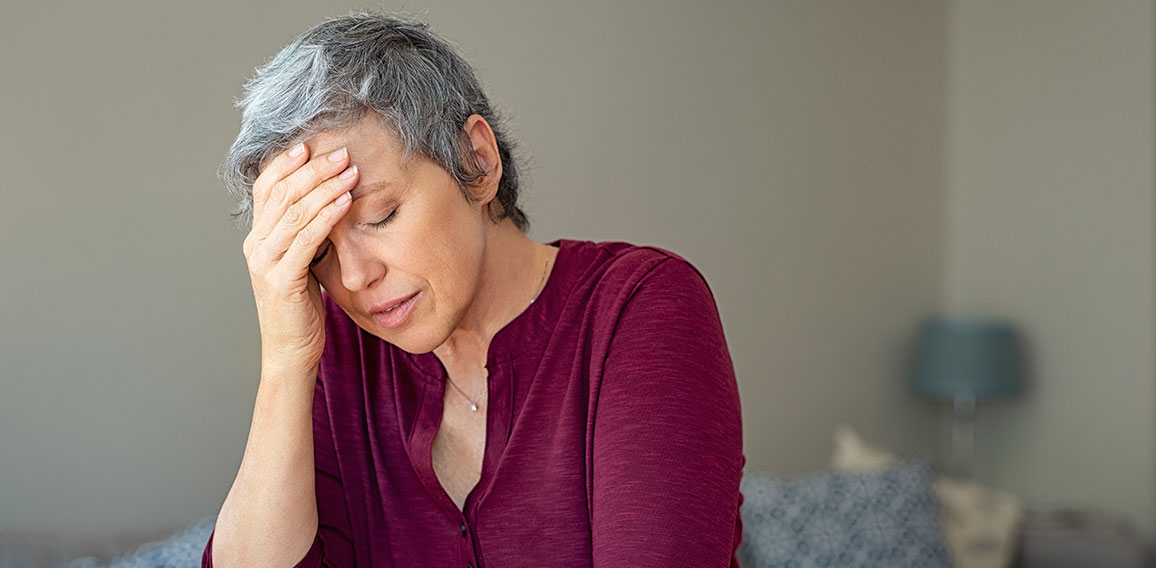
(297, 150)
(345, 197)
(349, 172)
(338, 155)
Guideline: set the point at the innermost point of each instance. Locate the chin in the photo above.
(411, 341)
(415, 349)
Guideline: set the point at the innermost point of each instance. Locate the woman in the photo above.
(437, 389)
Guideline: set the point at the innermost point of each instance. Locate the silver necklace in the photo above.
(474, 404)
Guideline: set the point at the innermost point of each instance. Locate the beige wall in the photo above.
(1050, 191)
(792, 150)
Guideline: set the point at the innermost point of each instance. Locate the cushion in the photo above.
(181, 550)
(886, 517)
(982, 524)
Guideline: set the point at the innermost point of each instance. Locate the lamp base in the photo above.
(963, 436)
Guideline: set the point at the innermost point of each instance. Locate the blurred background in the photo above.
(837, 169)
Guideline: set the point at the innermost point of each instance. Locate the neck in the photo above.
(512, 269)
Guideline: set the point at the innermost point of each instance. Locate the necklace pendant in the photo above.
(473, 406)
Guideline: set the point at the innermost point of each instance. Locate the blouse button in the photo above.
(463, 528)
(469, 565)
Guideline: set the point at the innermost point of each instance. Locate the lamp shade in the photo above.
(964, 357)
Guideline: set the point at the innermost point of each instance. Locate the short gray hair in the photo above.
(344, 67)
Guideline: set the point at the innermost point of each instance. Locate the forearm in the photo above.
(269, 517)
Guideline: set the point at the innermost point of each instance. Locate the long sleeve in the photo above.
(667, 440)
(332, 546)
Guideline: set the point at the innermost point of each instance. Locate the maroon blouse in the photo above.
(613, 435)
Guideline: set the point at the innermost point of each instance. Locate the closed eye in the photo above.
(385, 221)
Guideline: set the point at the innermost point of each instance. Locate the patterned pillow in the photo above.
(181, 550)
(884, 517)
(981, 524)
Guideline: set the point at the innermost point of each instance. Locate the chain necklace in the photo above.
(474, 404)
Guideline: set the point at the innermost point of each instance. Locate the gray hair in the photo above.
(336, 72)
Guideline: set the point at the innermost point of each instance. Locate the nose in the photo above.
(359, 267)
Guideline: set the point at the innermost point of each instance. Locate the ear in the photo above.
(485, 158)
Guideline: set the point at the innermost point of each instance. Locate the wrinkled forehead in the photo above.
(369, 136)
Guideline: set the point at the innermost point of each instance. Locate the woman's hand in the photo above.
(296, 202)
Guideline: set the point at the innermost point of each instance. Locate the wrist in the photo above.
(289, 372)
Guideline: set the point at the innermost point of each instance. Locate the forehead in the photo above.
(373, 148)
(367, 139)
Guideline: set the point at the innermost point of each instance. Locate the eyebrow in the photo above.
(363, 189)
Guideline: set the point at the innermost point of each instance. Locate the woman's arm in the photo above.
(287, 504)
(270, 516)
(668, 430)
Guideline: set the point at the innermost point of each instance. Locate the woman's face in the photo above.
(408, 231)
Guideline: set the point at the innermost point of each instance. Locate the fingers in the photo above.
(292, 202)
(282, 165)
(284, 188)
(301, 216)
(306, 241)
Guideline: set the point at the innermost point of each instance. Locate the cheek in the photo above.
(326, 272)
(453, 257)
(451, 263)
(331, 285)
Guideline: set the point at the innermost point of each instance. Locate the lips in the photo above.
(390, 305)
(395, 313)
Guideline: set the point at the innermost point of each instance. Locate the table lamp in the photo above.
(964, 360)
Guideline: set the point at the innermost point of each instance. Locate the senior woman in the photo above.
(436, 388)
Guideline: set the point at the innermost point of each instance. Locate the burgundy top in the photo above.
(613, 435)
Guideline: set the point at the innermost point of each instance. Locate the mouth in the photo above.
(395, 312)
(391, 305)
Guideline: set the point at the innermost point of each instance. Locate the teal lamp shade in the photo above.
(963, 357)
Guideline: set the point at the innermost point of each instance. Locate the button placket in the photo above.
(465, 532)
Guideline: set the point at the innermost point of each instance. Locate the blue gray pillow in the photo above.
(181, 550)
(882, 517)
